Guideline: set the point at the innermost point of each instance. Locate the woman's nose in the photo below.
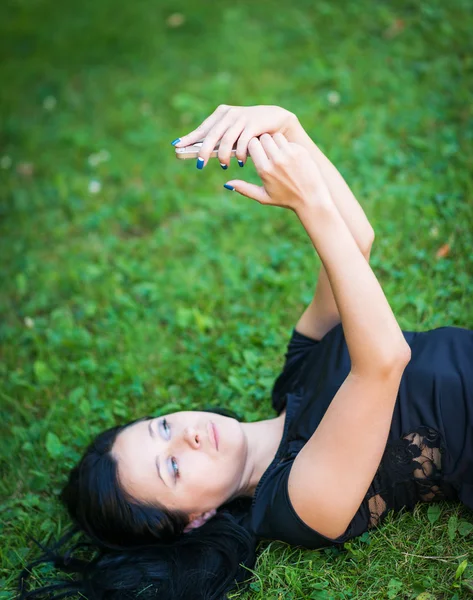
(192, 437)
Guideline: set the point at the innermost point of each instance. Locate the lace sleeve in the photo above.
(410, 471)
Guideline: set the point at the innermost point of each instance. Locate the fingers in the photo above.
(250, 190)
(227, 143)
(281, 141)
(270, 146)
(210, 141)
(198, 134)
(245, 137)
(242, 146)
(258, 154)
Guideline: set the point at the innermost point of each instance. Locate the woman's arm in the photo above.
(331, 474)
(292, 180)
(341, 194)
(322, 313)
(372, 333)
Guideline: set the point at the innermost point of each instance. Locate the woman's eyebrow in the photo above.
(159, 471)
(153, 434)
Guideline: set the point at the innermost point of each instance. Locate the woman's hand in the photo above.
(290, 177)
(228, 124)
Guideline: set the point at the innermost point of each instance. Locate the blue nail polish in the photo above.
(241, 163)
(176, 141)
(228, 186)
(200, 163)
(224, 167)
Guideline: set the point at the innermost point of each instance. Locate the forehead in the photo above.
(132, 441)
(135, 452)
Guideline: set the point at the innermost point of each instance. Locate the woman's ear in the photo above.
(197, 521)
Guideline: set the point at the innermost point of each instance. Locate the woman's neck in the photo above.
(263, 438)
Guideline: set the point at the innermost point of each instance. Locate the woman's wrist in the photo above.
(296, 134)
(342, 197)
(317, 207)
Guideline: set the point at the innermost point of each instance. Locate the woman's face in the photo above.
(172, 460)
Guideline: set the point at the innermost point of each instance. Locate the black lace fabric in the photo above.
(410, 472)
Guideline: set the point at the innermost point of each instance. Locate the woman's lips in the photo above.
(214, 434)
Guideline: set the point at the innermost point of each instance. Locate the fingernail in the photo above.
(200, 163)
(241, 163)
(224, 166)
(228, 186)
(176, 141)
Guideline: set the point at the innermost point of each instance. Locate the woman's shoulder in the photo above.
(301, 351)
(274, 517)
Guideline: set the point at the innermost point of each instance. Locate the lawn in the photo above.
(133, 283)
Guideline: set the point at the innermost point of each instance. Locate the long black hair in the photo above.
(141, 550)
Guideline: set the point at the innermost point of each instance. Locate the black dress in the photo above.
(429, 452)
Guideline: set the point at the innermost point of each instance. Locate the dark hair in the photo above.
(141, 549)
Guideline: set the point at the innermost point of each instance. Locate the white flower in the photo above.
(104, 155)
(29, 322)
(99, 157)
(49, 103)
(333, 97)
(5, 162)
(93, 160)
(94, 186)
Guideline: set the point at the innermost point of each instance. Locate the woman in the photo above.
(369, 418)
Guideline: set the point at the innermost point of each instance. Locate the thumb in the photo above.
(250, 190)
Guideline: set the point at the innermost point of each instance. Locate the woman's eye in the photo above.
(174, 466)
(165, 425)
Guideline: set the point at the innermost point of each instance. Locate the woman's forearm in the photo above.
(374, 338)
(342, 196)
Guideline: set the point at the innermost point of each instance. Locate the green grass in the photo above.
(163, 291)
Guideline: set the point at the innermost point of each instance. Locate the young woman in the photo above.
(369, 418)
